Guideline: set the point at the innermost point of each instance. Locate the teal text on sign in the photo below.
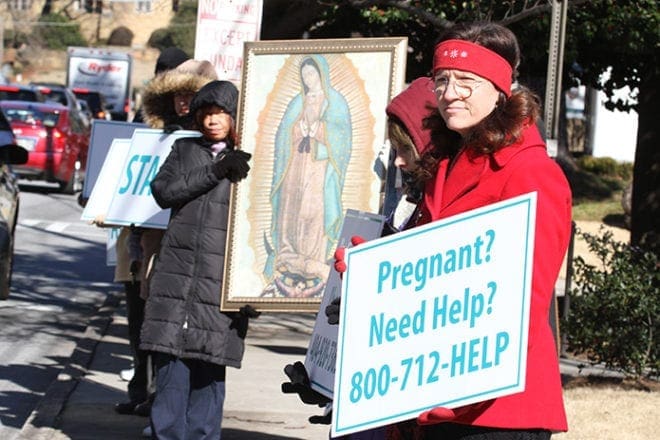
(140, 170)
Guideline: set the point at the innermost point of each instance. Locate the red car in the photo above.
(56, 140)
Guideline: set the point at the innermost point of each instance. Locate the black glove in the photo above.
(300, 385)
(232, 165)
(332, 311)
(171, 128)
(248, 311)
(325, 419)
(241, 320)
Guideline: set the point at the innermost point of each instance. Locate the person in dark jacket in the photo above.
(192, 340)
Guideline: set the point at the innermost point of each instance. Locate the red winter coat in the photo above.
(474, 182)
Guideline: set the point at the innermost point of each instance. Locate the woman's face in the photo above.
(182, 103)
(405, 158)
(464, 99)
(215, 123)
(311, 77)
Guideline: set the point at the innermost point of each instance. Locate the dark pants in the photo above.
(189, 397)
(454, 431)
(138, 387)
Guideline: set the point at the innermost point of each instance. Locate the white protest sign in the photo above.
(222, 28)
(322, 350)
(132, 202)
(435, 316)
(103, 133)
(111, 246)
(99, 200)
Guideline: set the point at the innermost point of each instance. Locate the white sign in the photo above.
(111, 246)
(132, 202)
(222, 27)
(103, 133)
(322, 351)
(435, 316)
(99, 200)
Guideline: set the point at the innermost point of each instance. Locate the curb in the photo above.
(44, 419)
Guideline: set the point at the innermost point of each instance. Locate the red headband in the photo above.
(471, 57)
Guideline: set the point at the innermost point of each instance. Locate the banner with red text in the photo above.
(222, 28)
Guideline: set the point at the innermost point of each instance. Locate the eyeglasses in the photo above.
(463, 87)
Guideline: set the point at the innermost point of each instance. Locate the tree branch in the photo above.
(405, 5)
(441, 23)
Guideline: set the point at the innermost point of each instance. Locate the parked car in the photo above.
(57, 142)
(20, 92)
(10, 153)
(96, 102)
(60, 94)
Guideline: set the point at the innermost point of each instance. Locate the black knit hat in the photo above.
(221, 93)
(169, 59)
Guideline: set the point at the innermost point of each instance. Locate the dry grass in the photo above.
(597, 412)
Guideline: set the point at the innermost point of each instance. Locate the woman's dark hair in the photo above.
(505, 124)
(308, 62)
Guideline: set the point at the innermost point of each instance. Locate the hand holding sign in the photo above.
(233, 165)
(299, 384)
(340, 263)
(441, 414)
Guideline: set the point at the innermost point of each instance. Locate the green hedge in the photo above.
(615, 307)
(58, 32)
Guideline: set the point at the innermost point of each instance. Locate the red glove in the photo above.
(441, 414)
(340, 254)
(436, 415)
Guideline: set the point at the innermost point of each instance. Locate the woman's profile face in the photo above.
(464, 99)
(215, 123)
(311, 77)
(405, 157)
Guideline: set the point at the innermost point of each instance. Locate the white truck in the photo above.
(103, 70)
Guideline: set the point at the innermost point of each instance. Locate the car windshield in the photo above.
(18, 95)
(92, 100)
(32, 116)
(55, 95)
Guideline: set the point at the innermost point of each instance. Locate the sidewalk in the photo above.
(79, 405)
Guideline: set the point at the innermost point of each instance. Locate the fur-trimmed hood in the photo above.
(158, 101)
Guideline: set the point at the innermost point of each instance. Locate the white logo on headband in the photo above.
(455, 53)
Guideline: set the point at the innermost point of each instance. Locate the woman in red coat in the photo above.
(499, 154)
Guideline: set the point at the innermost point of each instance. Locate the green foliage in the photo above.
(621, 34)
(606, 167)
(615, 307)
(180, 32)
(161, 39)
(58, 32)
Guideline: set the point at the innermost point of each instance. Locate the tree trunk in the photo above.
(646, 171)
(48, 7)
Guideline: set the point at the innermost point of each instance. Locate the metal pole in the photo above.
(2, 41)
(554, 73)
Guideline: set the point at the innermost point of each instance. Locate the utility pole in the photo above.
(553, 88)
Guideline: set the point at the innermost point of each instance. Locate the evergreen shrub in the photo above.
(615, 306)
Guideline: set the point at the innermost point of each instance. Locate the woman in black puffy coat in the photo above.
(191, 339)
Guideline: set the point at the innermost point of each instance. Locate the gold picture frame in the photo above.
(312, 114)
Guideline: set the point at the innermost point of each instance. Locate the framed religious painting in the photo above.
(312, 114)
